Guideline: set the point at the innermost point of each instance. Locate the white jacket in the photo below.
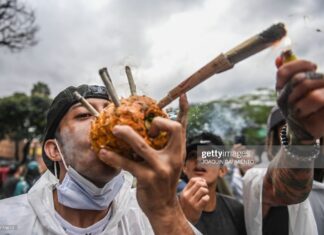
(33, 213)
(301, 218)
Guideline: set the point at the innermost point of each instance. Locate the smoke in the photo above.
(226, 122)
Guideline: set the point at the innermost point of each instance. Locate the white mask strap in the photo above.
(58, 148)
(55, 169)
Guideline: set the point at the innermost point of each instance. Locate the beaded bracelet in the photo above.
(305, 156)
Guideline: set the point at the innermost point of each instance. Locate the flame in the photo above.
(286, 43)
(283, 45)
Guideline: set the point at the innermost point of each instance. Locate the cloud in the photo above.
(76, 38)
(164, 41)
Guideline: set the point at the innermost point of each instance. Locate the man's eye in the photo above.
(83, 115)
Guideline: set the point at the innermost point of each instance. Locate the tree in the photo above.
(17, 25)
(39, 103)
(40, 89)
(14, 114)
(23, 117)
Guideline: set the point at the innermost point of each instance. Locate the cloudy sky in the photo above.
(164, 41)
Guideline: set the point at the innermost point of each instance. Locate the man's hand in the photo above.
(157, 175)
(194, 198)
(303, 104)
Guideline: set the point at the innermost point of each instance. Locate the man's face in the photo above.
(209, 173)
(74, 131)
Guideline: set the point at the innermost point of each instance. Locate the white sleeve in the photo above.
(252, 200)
(301, 218)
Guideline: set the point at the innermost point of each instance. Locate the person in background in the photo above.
(287, 181)
(210, 212)
(276, 122)
(27, 180)
(14, 174)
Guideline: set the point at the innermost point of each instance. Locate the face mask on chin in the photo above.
(77, 192)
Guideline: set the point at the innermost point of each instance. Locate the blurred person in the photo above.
(27, 180)
(287, 181)
(41, 164)
(211, 212)
(32, 173)
(86, 193)
(238, 169)
(14, 174)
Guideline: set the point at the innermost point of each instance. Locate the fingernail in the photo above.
(115, 130)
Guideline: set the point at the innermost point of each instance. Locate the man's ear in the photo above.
(223, 171)
(51, 150)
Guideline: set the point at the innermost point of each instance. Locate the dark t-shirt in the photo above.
(227, 219)
(276, 221)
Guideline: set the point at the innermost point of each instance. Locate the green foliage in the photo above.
(37, 119)
(246, 114)
(40, 89)
(198, 117)
(14, 115)
(23, 116)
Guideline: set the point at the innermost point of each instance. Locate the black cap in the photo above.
(60, 106)
(204, 139)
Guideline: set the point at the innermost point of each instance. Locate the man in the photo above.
(276, 122)
(83, 193)
(288, 179)
(212, 213)
(13, 178)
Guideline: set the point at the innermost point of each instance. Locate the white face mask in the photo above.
(77, 192)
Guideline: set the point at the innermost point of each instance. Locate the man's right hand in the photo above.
(304, 105)
(194, 198)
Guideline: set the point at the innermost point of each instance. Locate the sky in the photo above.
(164, 42)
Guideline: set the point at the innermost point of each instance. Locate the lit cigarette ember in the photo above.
(86, 104)
(227, 61)
(131, 82)
(110, 87)
(257, 43)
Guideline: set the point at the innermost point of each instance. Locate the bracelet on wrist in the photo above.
(297, 153)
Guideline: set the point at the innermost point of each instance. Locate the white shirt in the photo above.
(316, 199)
(301, 217)
(34, 212)
(94, 229)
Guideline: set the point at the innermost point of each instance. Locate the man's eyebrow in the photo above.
(77, 105)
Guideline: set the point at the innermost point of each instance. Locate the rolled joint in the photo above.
(86, 104)
(109, 85)
(131, 82)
